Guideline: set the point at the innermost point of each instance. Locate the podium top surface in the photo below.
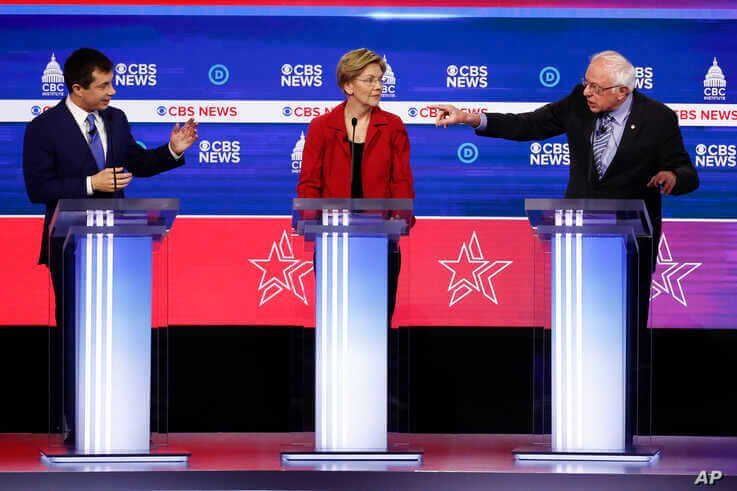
(593, 215)
(153, 216)
(350, 205)
(357, 217)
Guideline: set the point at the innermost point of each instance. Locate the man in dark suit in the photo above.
(623, 145)
(81, 148)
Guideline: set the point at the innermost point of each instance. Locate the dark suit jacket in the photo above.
(57, 159)
(326, 158)
(651, 142)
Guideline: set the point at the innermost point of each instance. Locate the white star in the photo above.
(673, 273)
(298, 287)
(278, 274)
(471, 272)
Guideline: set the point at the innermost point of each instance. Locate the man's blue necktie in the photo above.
(95, 142)
(601, 142)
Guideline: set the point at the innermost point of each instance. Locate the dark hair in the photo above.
(79, 67)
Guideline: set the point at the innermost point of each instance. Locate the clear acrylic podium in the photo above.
(594, 296)
(351, 244)
(112, 242)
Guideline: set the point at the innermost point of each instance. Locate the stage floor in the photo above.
(468, 462)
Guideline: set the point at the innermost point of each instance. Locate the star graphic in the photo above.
(671, 273)
(465, 267)
(471, 272)
(281, 271)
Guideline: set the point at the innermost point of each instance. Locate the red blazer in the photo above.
(326, 158)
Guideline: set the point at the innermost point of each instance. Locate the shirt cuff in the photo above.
(175, 155)
(88, 186)
(482, 124)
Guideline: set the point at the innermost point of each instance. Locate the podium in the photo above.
(594, 268)
(112, 244)
(351, 237)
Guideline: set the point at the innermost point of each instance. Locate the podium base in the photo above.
(544, 453)
(351, 456)
(64, 455)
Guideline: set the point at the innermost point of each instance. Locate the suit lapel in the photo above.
(336, 121)
(76, 138)
(631, 129)
(106, 121)
(588, 129)
(376, 123)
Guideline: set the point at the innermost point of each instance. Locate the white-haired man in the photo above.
(623, 145)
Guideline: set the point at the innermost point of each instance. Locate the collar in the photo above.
(622, 112)
(336, 117)
(79, 114)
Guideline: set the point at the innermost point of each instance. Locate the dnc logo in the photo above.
(218, 74)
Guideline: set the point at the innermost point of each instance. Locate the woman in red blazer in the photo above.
(381, 167)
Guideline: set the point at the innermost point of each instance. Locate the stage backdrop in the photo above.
(255, 77)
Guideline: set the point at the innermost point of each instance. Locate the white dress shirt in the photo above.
(80, 117)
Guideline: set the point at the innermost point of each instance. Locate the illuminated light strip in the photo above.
(87, 337)
(586, 456)
(568, 335)
(333, 334)
(404, 10)
(323, 337)
(344, 338)
(579, 330)
(109, 339)
(558, 335)
(332, 460)
(98, 334)
(92, 459)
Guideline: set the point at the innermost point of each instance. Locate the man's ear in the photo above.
(623, 92)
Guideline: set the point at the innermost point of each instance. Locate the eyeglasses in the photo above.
(596, 89)
(371, 81)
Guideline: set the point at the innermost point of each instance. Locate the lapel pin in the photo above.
(632, 127)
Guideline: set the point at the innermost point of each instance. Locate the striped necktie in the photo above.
(601, 142)
(95, 142)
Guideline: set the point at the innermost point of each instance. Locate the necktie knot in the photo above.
(91, 123)
(605, 122)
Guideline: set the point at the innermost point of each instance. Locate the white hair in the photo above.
(618, 67)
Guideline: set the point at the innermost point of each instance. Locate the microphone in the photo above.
(354, 122)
